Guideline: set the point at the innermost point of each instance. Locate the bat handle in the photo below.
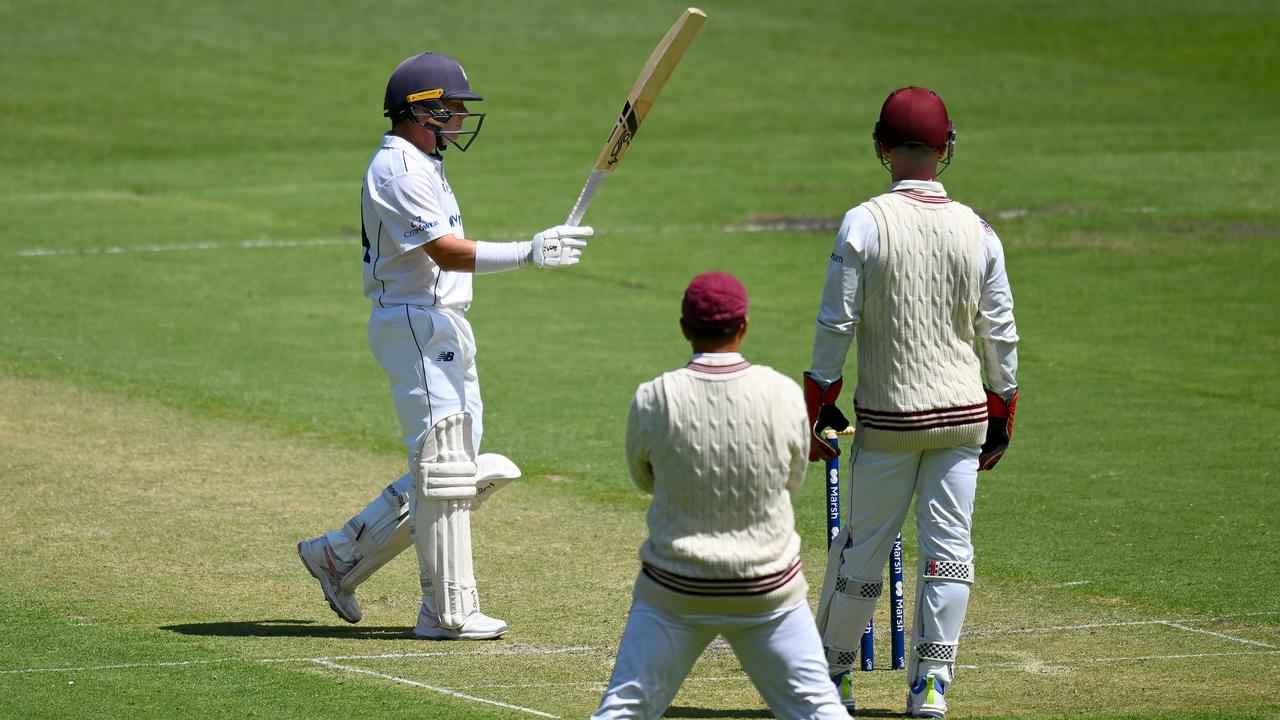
(586, 196)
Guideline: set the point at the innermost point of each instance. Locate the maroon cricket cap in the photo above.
(913, 114)
(714, 300)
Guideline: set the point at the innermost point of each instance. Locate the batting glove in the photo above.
(559, 246)
(823, 414)
(999, 428)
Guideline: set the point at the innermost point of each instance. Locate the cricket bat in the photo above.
(640, 100)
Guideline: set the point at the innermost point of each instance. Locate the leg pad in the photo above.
(936, 651)
(445, 474)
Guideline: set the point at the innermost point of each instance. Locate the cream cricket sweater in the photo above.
(720, 444)
(919, 376)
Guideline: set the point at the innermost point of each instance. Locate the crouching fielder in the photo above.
(721, 444)
(920, 279)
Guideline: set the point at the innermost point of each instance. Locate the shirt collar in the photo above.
(716, 359)
(923, 187)
(391, 140)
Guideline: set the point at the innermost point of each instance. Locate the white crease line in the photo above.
(120, 666)
(798, 224)
(432, 688)
(257, 244)
(180, 247)
(518, 650)
(1063, 628)
(524, 650)
(1179, 657)
(593, 683)
(1224, 636)
(1129, 623)
(1131, 658)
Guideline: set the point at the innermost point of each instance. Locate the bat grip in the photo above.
(586, 196)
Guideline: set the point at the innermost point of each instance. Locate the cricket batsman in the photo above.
(418, 265)
(919, 279)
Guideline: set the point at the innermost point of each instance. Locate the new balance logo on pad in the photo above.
(446, 356)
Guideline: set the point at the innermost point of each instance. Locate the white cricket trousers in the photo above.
(944, 483)
(780, 651)
(429, 355)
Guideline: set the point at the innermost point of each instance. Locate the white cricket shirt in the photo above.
(406, 203)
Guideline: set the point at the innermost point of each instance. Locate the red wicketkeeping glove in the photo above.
(823, 414)
(999, 429)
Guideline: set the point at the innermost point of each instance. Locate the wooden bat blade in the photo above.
(652, 78)
(648, 84)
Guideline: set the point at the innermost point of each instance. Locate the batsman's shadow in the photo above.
(289, 628)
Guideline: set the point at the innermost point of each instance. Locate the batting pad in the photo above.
(441, 513)
(942, 599)
(845, 606)
(495, 472)
(381, 532)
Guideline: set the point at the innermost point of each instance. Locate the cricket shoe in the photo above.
(477, 626)
(325, 566)
(844, 687)
(925, 700)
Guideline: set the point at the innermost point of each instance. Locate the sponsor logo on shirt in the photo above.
(418, 225)
(455, 220)
(835, 258)
(446, 356)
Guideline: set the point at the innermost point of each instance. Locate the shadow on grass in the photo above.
(688, 712)
(290, 628)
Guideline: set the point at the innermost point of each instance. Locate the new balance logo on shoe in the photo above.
(446, 356)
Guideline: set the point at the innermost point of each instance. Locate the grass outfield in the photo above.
(185, 388)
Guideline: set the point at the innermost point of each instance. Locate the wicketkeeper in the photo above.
(721, 444)
(919, 279)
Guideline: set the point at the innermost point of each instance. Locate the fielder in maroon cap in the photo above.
(720, 444)
(919, 281)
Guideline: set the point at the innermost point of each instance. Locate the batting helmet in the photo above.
(418, 88)
(914, 116)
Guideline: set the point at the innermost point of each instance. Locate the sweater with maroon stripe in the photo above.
(919, 376)
(721, 444)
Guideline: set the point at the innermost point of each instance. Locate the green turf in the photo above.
(1124, 151)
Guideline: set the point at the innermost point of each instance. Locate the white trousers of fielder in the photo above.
(780, 651)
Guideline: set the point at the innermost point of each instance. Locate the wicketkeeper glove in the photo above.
(823, 414)
(999, 428)
(559, 246)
